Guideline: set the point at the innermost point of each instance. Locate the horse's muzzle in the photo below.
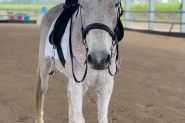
(99, 60)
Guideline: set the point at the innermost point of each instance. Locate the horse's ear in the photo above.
(119, 30)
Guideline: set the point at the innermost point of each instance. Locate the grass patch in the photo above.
(171, 6)
(139, 7)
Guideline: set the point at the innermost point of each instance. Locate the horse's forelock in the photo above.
(106, 4)
(100, 11)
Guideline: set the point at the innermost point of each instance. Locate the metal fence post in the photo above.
(151, 14)
(127, 14)
(183, 17)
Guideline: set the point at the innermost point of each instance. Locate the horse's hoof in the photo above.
(39, 122)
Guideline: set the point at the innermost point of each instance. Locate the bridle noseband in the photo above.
(93, 26)
(98, 26)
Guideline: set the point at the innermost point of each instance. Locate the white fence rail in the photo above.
(151, 21)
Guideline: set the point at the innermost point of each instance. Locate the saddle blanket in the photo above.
(49, 51)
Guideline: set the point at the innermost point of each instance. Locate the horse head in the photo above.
(100, 18)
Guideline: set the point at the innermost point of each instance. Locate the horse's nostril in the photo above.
(98, 59)
(89, 59)
(107, 60)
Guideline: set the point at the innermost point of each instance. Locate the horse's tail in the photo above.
(38, 98)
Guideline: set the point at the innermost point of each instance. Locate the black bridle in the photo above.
(112, 33)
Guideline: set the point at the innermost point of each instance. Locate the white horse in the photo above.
(99, 55)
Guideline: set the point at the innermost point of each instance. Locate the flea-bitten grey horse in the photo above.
(99, 58)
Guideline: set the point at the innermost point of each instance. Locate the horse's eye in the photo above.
(117, 4)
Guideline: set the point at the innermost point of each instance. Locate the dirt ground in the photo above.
(149, 89)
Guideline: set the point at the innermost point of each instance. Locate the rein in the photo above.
(112, 33)
(72, 56)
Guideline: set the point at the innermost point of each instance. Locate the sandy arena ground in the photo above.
(149, 89)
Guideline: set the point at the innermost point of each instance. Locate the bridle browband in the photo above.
(85, 31)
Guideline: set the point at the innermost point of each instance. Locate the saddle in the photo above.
(61, 24)
(59, 29)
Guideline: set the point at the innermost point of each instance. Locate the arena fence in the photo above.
(146, 20)
(150, 20)
(14, 15)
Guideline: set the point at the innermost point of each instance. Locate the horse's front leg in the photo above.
(75, 98)
(104, 94)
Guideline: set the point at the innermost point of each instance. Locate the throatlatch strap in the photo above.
(59, 29)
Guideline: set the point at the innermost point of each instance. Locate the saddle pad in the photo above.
(49, 51)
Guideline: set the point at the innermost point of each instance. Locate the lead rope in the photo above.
(71, 54)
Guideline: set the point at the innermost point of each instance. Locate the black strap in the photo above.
(98, 26)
